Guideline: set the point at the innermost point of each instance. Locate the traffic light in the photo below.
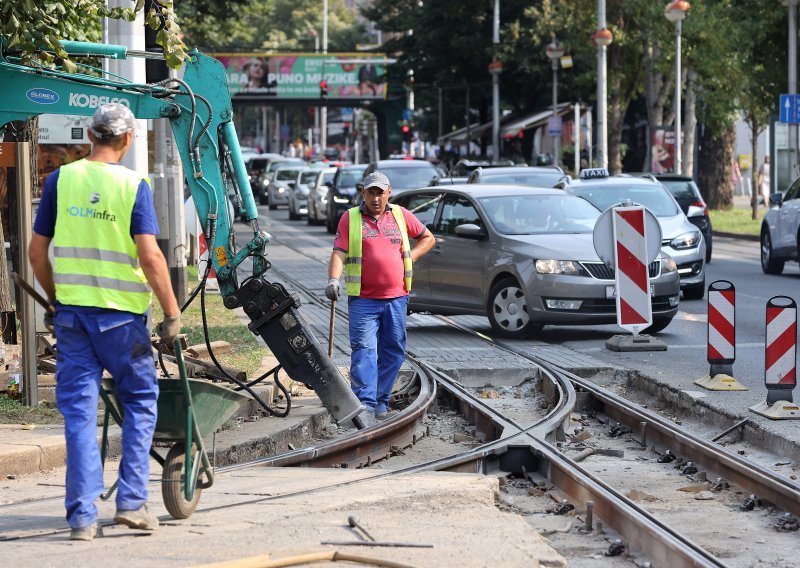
(406, 130)
(323, 89)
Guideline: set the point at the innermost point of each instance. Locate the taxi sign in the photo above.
(593, 173)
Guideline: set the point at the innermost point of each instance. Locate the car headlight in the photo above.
(668, 264)
(339, 199)
(281, 190)
(558, 267)
(686, 241)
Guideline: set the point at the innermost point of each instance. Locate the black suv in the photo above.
(342, 194)
(406, 174)
(687, 194)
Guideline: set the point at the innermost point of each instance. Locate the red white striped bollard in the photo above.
(721, 327)
(780, 366)
(634, 310)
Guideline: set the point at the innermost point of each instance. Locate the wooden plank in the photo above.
(201, 351)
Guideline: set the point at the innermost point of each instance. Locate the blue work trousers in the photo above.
(378, 343)
(90, 340)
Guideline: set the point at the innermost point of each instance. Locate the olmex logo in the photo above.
(42, 96)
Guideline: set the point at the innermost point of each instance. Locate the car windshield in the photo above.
(258, 163)
(410, 177)
(308, 177)
(537, 214)
(654, 197)
(287, 175)
(538, 179)
(349, 178)
(681, 189)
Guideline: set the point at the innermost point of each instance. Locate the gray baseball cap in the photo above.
(111, 120)
(377, 179)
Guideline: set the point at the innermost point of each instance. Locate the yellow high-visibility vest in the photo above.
(96, 261)
(352, 267)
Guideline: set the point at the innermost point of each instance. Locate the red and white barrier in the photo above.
(634, 310)
(721, 345)
(780, 365)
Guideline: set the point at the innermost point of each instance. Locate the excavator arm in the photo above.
(198, 107)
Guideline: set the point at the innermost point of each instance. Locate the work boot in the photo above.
(386, 415)
(84, 533)
(141, 518)
(367, 418)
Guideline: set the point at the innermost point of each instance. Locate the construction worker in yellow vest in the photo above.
(101, 221)
(372, 244)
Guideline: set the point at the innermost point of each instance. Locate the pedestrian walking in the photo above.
(100, 218)
(372, 245)
(763, 181)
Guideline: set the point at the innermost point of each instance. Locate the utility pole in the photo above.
(494, 69)
(602, 38)
(323, 135)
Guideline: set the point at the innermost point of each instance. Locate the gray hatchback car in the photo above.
(521, 256)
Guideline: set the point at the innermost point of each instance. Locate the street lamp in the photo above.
(676, 12)
(555, 50)
(602, 38)
(792, 5)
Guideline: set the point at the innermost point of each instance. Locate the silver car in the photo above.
(298, 195)
(521, 256)
(680, 239)
(281, 183)
(780, 230)
(318, 196)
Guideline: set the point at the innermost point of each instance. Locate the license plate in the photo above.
(611, 291)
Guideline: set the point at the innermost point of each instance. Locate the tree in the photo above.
(36, 27)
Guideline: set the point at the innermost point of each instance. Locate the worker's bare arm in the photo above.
(336, 264)
(155, 269)
(423, 245)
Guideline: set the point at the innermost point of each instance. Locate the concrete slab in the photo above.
(288, 512)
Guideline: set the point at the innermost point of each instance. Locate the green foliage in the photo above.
(253, 26)
(35, 28)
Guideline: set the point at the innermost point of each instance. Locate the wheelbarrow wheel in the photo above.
(172, 485)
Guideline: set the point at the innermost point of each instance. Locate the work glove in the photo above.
(169, 328)
(49, 322)
(333, 290)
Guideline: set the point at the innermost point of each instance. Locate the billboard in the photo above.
(662, 150)
(297, 76)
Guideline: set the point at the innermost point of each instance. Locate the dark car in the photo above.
(342, 194)
(532, 176)
(687, 194)
(405, 174)
(256, 165)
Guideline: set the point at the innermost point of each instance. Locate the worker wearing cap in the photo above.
(372, 244)
(100, 218)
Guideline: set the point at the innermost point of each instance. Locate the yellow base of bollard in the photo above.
(781, 410)
(720, 382)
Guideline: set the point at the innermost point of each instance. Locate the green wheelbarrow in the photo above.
(188, 411)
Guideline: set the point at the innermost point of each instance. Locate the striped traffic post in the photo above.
(780, 363)
(634, 310)
(721, 344)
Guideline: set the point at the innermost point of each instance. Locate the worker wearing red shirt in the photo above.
(377, 258)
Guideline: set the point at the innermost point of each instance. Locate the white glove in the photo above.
(333, 290)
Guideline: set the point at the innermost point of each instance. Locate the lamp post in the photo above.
(554, 51)
(792, 5)
(676, 12)
(494, 69)
(323, 135)
(602, 38)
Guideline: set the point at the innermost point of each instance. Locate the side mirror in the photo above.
(470, 231)
(292, 184)
(776, 200)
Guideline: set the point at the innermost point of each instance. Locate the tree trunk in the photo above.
(716, 177)
(689, 123)
(756, 128)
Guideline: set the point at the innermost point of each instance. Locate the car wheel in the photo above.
(329, 226)
(769, 264)
(272, 207)
(263, 199)
(292, 215)
(658, 325)
(695, 291)
(309, 218)
(508, 311)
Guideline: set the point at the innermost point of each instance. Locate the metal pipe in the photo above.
(27, 308)
(602, 92)
(792, 86)
(678, 118)
(496, 86)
